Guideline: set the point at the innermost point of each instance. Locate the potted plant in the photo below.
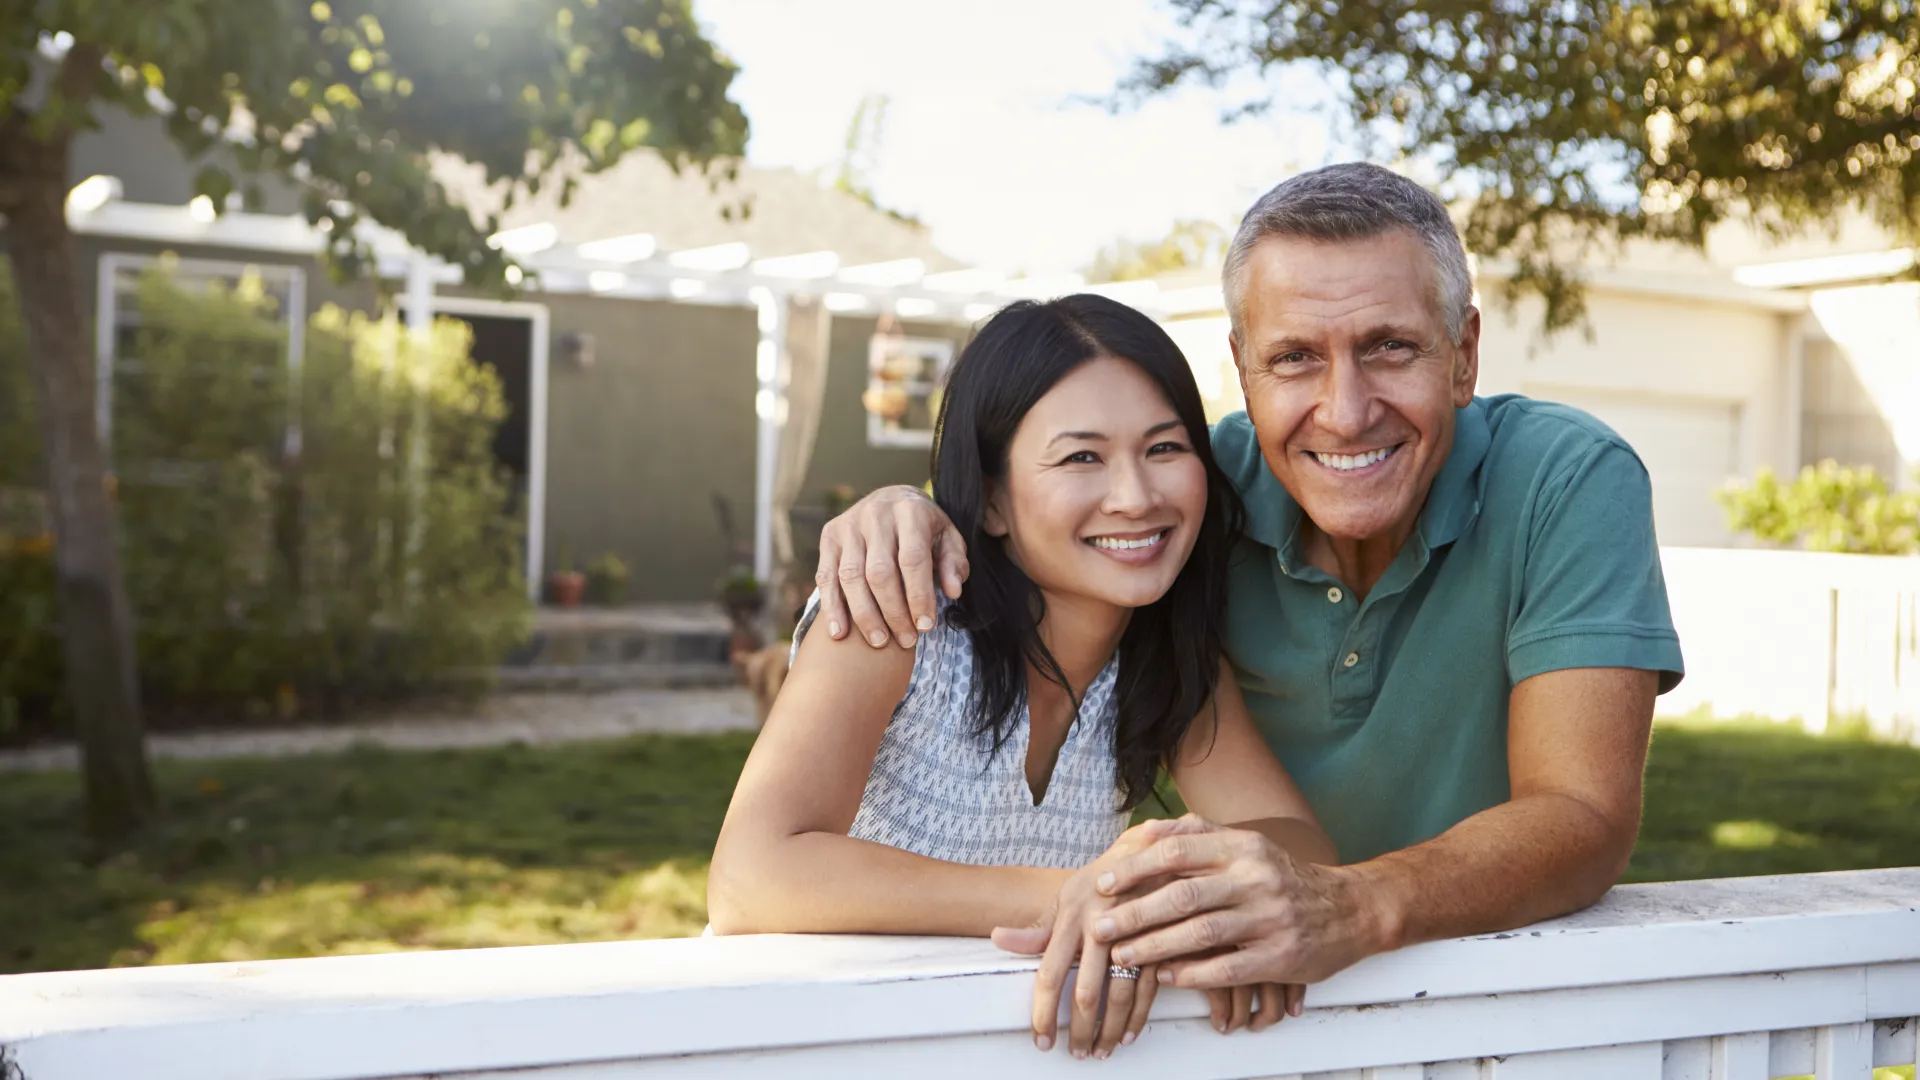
(741, 595)
(607, 580)
(566, 585)
(837, 498)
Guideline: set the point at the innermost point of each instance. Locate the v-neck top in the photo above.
(939, 789)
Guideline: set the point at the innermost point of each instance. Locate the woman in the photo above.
(984, 779)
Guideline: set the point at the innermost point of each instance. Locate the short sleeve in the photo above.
(1592, 592)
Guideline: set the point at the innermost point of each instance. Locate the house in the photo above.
(639, 406)
(651, 370)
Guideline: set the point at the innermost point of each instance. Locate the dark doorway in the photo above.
(505, 344)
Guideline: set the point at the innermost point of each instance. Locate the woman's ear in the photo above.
(994, 521)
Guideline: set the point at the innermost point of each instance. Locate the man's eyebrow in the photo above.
(1288, 344)
(1393, 330)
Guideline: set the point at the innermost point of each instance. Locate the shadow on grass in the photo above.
(1738, 799)
(372, 851)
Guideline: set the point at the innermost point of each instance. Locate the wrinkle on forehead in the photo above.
(1296, 285)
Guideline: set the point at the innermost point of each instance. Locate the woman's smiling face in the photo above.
(1103, 494)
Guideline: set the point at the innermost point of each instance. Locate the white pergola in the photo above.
(637, 267)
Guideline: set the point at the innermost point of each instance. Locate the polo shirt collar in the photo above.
(1454, 500)
(1273, 517)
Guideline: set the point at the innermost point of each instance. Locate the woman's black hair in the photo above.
(1170, 652)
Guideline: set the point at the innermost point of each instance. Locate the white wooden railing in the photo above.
(1782, 634)
(1738, 979)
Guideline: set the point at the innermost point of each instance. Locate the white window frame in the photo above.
(882, 433)
(106, 325)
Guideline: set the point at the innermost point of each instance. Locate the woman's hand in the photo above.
(1065, 936)
(1255, 1008)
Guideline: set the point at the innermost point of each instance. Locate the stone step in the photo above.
(651, 635)
(617, 676)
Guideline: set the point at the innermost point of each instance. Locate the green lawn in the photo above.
(381, 850)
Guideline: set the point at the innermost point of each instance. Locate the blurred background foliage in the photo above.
(290, 541)
(1828, 507)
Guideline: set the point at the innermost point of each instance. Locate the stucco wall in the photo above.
(1877, 331)
(639, 443)
(1662, 371)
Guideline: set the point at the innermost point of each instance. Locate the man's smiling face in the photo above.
(1351, 378)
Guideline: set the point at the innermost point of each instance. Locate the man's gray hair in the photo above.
(1353, 201)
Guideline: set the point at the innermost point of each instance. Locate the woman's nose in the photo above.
(1130, 492)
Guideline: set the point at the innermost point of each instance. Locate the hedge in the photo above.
(290, 542)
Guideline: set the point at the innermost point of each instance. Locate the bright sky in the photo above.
(983, 139)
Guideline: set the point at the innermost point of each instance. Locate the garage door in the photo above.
(1690, 449)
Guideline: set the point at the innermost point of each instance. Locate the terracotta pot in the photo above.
(566, 587)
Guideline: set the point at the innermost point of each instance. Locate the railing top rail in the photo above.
(416, 1013)
(1834, 569)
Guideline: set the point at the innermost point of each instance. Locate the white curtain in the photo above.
(808, 325)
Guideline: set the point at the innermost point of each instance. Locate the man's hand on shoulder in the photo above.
(877, 565)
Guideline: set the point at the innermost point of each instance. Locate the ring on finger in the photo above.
(1121, 971)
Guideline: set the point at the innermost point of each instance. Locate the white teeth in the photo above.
(1114, 544)
(1349, 462)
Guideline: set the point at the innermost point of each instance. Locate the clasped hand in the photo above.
(1131, 887)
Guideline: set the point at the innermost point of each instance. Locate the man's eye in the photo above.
(1288, 358)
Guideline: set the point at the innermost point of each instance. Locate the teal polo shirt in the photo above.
(1534, 552)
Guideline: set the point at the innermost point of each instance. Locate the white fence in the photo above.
(1709, 980)
(1825, 638)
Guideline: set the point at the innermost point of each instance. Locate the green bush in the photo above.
(1828, 507)
(373, 553)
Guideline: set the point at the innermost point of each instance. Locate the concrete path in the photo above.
(502, 718)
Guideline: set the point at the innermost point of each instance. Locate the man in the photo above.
(1447, 614)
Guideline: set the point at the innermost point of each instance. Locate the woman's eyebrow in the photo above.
(1078, 436)
(1168, 425)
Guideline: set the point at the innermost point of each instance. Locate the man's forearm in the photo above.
(1303, 840)
(1526, 860)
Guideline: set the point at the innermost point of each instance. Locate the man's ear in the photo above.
(1239, 368)
(995, 519)
(1466, 360)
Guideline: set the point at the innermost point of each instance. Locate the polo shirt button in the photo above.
(1334, 594)
(1352, 659)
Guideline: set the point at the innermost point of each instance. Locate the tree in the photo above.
(1584, 122)
(345, 100)
(1828, 507)
(860, 156)
(1189, 244)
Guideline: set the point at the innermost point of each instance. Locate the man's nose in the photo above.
(1345, 400)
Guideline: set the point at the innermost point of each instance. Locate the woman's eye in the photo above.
(1081, 457)
(1168, 447)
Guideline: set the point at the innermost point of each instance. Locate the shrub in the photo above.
(342, 533)
(607, 580)
(1828, 507)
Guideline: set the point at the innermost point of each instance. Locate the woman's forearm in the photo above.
(824, 883)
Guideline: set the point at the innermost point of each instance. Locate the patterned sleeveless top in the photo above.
(939, 790)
